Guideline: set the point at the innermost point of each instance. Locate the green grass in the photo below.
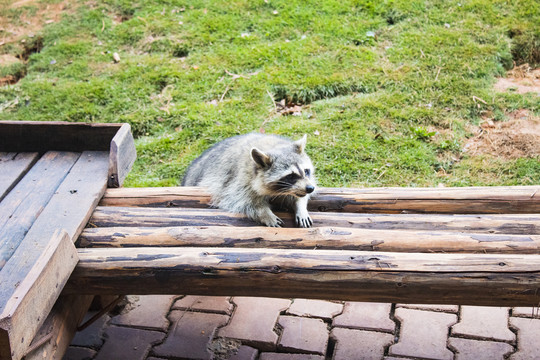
(376, 80)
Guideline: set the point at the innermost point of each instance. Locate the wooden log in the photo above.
(69, 209)
(25, 311)
(54, 337)
(22, 206)
(13, 166)
(112, 216)
(122, 156)
(472, 200)
(472, 279)
(42, 136)
(315, 238)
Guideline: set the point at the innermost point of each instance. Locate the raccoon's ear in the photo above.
(300, 145)
(260, 158)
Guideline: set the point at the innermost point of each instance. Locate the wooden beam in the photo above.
(69, 208)
(315, 238)
(25, 311)
(472, 200)
(13, 167)
(112, 216)
(42, 136)
(54, 337)
(122, 156)
(471, 279)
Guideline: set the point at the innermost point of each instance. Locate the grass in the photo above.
(388, 89)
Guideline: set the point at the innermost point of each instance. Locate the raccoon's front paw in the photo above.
(271, 220)
(303, 221)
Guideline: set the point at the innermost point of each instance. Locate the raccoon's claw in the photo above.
(272, 221)
(304, 222)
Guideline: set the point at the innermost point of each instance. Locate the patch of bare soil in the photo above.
(521, 79)
(516, 138)
(29, 24)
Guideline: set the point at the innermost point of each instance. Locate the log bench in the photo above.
(470, 246)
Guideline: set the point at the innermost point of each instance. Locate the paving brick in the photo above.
(244, 353)
(149, 312)
(190, 335)
(527, 338)
(253, 321)
(92, 335)
(532, 312)
(215, 304)
(484, 322)
(281, 356)
(366, 316)
(305, 335)
(315, 308)
(423, 334)
(360, 344)
(79, 353)
(128, 343)
(444, 308)
(479, 350)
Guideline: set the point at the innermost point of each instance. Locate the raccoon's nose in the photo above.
(309, 189)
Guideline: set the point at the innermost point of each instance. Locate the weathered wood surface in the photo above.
(112, 216)
(13, 166)
(122, 156)
(69, 208)
(471, 279)
(25, 311)
(483, 200)
(22, 206)
(54, 337)
(315, 238)
(41, 136)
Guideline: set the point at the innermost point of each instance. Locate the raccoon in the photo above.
(251, 173)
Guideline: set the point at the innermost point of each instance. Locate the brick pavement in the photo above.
(241, 328)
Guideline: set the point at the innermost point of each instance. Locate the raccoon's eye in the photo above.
(291, 178)
(307, 172)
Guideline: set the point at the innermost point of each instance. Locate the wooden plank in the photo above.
(13, 166)
(69, 209)
(487, 200)
(54, 337)
(122, 156)
(41, 136)
(25, 311)
(112, 216)
(22, 206)
(315, 238)
(467, 279)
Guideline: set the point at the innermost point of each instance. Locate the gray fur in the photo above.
(248, 174)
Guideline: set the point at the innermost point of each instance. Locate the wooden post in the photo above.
(472, 200)
(25, 311)
(471, 279)
(112, 216)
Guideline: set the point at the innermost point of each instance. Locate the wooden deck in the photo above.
(52, 177)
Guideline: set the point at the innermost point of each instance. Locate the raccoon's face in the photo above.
(284, 171)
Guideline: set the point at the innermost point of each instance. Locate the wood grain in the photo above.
(22, 206)
(13, 166)
(60, 327)
(336, 238)
(25, 311)
(122, 156)
(471, 279)
(472, 200)
(112, 216)
(69, 209)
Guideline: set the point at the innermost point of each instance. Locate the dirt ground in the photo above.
(28, 24)
(520, 135)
